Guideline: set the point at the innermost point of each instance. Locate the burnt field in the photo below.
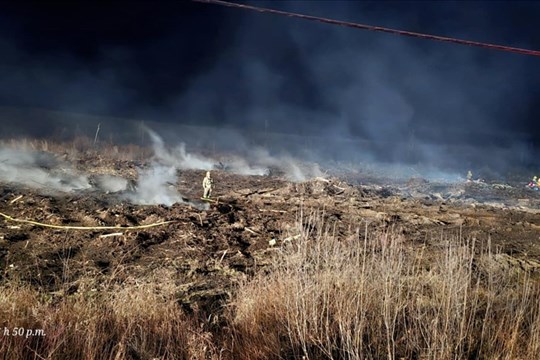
(173, 276)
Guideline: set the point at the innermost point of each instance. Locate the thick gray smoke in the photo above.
(300, 90)
(367, 96)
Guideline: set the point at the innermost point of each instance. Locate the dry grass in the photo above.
(129, 321)
(369, 296)
(83, 147)
(374, 297)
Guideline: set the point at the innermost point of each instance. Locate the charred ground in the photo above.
(209, 251)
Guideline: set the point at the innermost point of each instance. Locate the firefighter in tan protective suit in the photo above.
(208, 185)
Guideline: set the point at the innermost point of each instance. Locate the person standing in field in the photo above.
(208, 185)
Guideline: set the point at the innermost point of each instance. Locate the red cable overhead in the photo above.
(374, 28)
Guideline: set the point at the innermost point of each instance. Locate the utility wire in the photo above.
(374, 28)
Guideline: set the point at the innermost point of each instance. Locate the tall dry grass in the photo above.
(374, 296)
(134, 321)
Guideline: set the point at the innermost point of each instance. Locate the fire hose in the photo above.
(71, 227)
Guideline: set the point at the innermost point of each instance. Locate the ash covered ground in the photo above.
(209, 246)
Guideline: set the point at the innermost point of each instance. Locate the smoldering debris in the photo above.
(39, 170)
(111, 183)
(255, 161)
(240, 166)
(177, 157)
(45, 172)
(156, 186)
(293, 169)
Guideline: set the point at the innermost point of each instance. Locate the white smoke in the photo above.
(111, 183)
(258, 164)
(294, 170)
(39, 171)
(178, 157)
(240, 166)
(156, 186)
(43, 171)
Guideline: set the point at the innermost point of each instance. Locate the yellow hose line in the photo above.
(7, 217)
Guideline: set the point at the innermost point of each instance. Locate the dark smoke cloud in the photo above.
(313, 90)
(413, 100)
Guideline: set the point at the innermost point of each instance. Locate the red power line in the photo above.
(375, 28)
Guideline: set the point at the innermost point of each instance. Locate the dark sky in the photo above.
(185, 62)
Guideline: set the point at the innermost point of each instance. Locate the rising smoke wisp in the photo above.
(255, 161)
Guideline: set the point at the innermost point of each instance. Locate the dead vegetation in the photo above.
(322, 269)
(374, 296)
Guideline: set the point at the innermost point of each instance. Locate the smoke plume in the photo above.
(39, 171)
(305, 92)
(155, 185)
